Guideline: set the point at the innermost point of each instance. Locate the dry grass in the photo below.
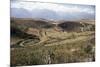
(57, 47)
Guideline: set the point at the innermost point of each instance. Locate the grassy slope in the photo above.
(59, 47)
(55, 47)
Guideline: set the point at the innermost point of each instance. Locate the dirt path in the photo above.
(81, 38)
(63, 39)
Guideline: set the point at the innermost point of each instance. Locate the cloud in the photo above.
(53, 10)
(89, 2)
(51, 6)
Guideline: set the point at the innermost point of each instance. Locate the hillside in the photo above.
(77, 26)
(43, 23)
(40, 41)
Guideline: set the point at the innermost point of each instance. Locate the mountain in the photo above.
(34, 23)
(38, 13)
(20, 13)
(48, 14)
(25, 23)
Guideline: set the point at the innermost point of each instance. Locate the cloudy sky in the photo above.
(54, 11)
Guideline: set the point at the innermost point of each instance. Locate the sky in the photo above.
(52, 11)
(89, 2)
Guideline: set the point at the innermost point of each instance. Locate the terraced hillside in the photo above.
(52, 45)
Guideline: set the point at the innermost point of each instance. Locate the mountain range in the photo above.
(52, 11)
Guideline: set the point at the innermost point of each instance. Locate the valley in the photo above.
(40, 41)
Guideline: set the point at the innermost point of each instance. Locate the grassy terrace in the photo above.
(56, 47)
